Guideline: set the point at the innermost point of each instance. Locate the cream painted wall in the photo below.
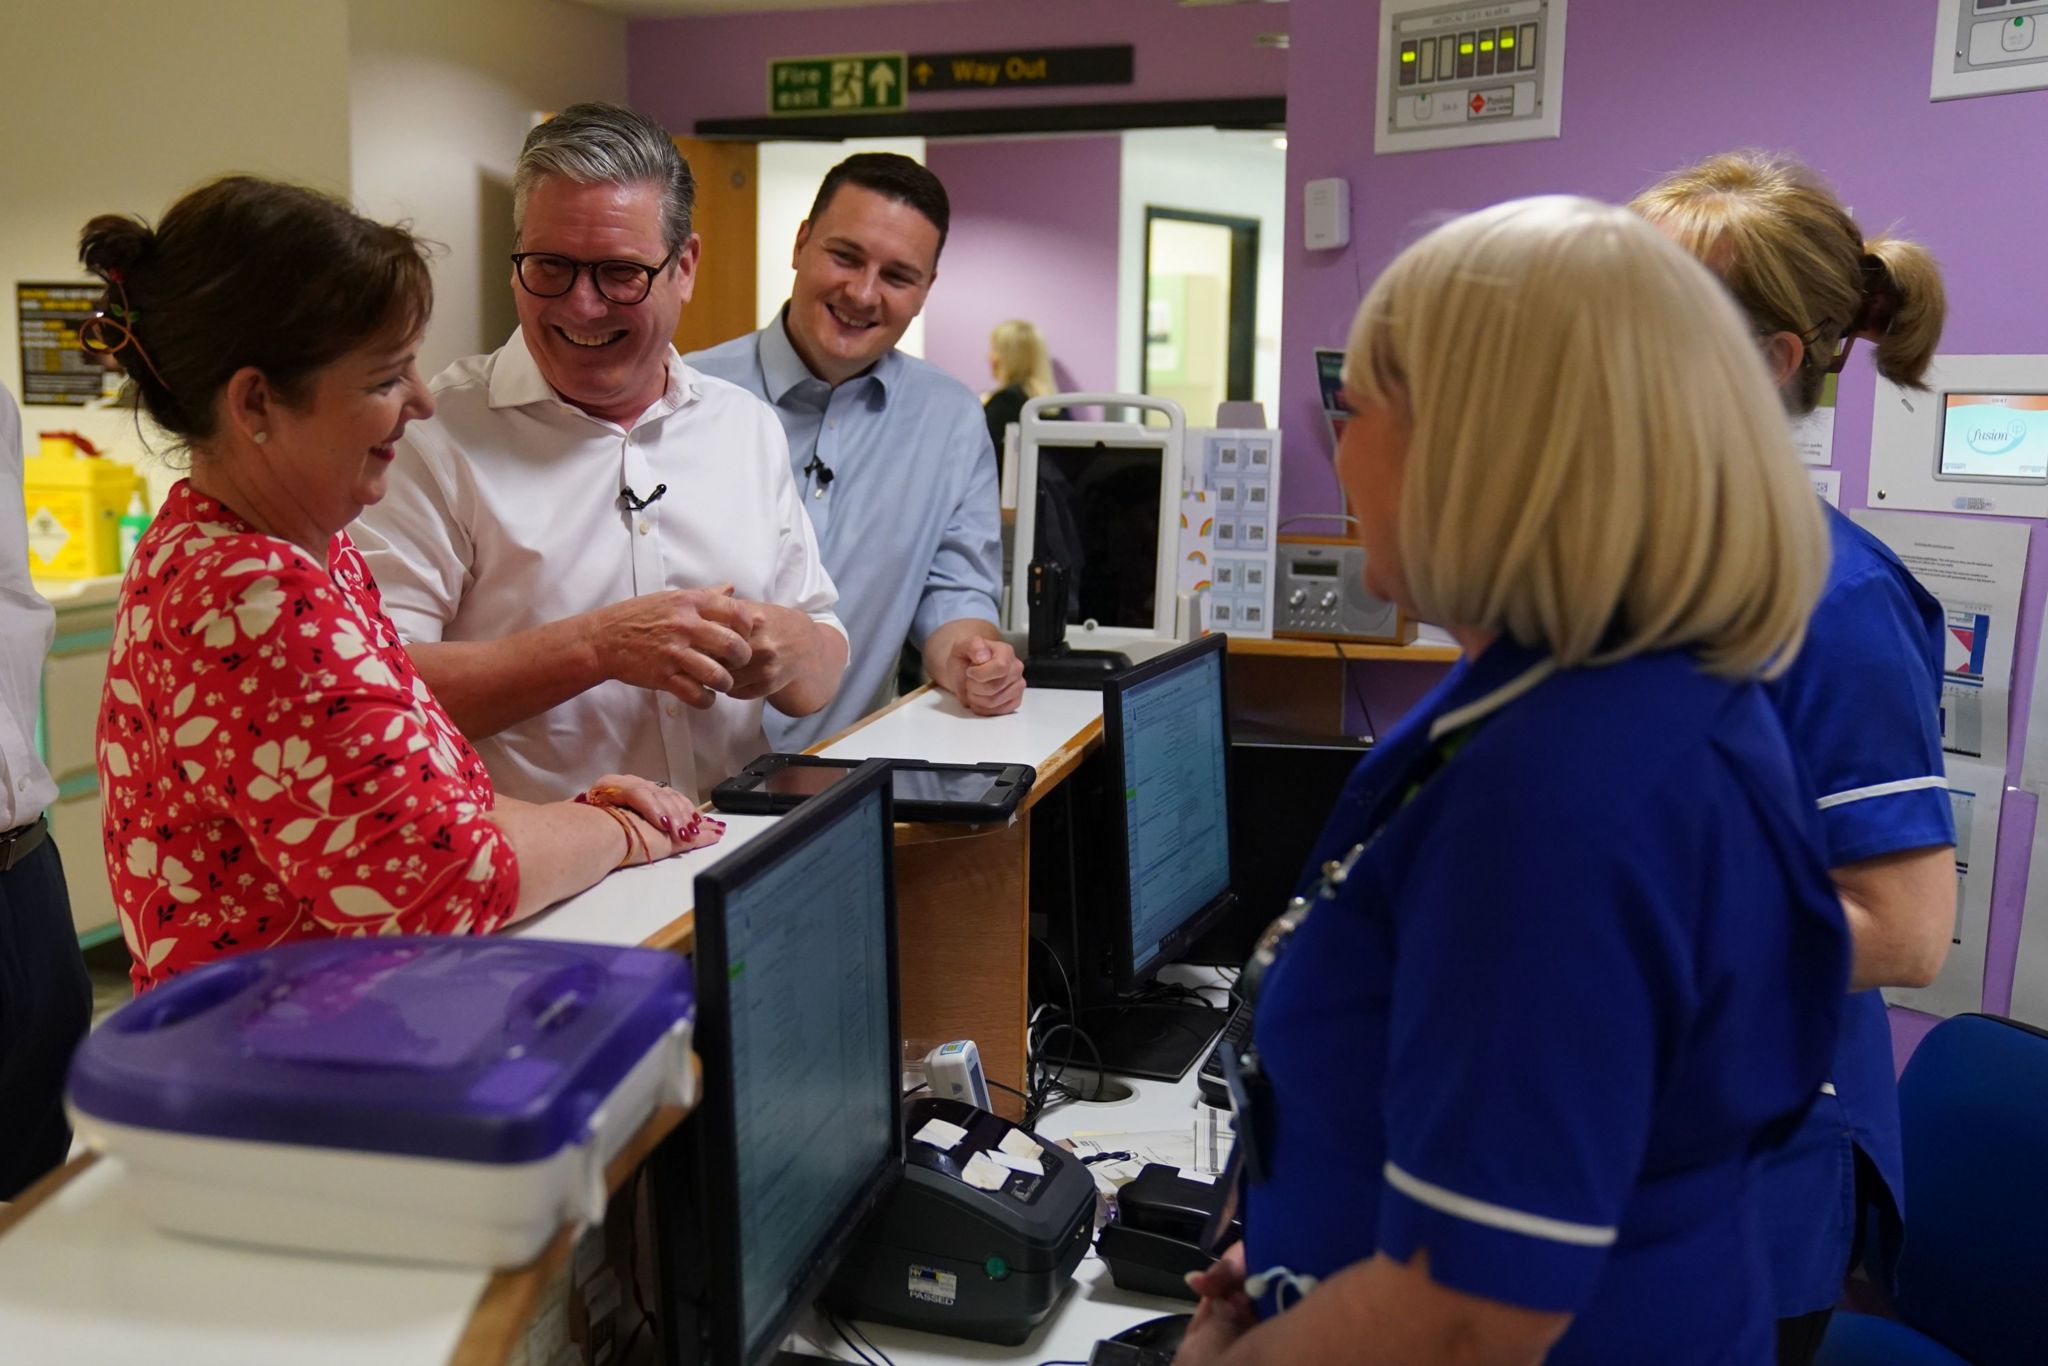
(122, 105)
(440, 97)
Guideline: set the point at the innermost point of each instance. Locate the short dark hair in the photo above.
(896, 177)
(255, 272)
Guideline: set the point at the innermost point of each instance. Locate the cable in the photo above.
(833, 1319)
(1372, 731)
(861, 1333)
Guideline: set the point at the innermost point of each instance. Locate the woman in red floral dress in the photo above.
(272, 767)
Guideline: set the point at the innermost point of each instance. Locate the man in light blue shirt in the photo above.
(891, 454)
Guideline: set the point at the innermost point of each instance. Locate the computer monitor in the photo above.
(1167, 865)
(1103, 499)
(799, 1133)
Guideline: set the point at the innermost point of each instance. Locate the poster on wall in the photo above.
(1974, 568)
(1828, 484)
(54, 370)
(1975, 792)
(1814, 433)
(2030, 968)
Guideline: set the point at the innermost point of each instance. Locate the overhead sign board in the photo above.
(854, 83)
(1020, 68)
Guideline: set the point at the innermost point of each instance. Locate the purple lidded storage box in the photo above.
(438, 1099)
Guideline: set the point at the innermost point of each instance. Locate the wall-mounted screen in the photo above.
(1994, 436)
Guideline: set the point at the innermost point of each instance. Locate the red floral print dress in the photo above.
(271, 766)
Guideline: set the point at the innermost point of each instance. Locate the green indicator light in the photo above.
(1464, 49)
(1507, 40)
(1486, 46)
(1408, 57)
(997, 1269)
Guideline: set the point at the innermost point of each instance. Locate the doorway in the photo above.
(1199, 316)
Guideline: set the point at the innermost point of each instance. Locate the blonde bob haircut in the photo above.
(1597, 466)
(1021, 357)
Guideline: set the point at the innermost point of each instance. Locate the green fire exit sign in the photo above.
(859, 83)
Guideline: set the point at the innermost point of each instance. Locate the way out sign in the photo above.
(859, 83)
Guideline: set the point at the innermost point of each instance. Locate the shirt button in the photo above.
(675, 709)
(645, 528)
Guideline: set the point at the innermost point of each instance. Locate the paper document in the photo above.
(1975, 792)
(983, 1173)
(1828, 484)
(939, 1134)
(1974, 567)
(1814, 433)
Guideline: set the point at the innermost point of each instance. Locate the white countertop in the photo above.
(85, 1282)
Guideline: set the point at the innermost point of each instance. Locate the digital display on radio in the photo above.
(1313, 569)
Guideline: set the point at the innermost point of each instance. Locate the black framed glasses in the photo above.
(546, 275)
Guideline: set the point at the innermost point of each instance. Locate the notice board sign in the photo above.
(54, 370)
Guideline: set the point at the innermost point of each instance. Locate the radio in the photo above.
(1319, 593)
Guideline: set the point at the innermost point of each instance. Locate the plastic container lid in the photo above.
(475, 1050)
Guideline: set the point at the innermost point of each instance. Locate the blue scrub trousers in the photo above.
(45, 1007)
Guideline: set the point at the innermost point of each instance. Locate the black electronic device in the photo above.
(1155, 1342)
(1136, 863)
(946, 1256)
(1049, 661)
(799, 1134)
(1166, 1225)
(1210, 1079)
(972, 793)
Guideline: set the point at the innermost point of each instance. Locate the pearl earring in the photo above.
(260, 437)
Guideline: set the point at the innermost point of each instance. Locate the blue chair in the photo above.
(1972, 1281)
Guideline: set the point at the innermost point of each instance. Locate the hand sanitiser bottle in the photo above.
(133, 523)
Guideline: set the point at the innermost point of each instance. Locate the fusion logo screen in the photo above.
(1995, 436)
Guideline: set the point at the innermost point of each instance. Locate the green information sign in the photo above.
(862, 83)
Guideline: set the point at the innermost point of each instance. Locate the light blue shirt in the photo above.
(908, 523)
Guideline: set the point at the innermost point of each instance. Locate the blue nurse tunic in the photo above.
(1580, 977)
(1861, 706)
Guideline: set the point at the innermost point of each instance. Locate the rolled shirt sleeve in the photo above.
(966, 572)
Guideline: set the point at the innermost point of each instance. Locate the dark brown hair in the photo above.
(893, 177)
(250, 272)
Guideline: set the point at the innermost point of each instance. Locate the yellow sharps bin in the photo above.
(75, 500)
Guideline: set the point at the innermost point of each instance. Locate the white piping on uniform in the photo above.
(1497, 1216)
(1858, 794)
(1493, 701)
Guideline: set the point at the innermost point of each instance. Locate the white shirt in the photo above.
(504, 513)
(27, 625)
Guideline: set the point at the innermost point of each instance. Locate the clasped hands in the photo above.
(696, 643)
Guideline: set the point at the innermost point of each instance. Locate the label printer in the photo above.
(982, 1235)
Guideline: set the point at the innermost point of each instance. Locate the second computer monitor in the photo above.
(1163, 727)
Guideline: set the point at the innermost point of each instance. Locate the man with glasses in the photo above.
(597, 555)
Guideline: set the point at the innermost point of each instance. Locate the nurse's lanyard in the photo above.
(1251, 1090)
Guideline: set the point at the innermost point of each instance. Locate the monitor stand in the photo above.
(1157, 1040)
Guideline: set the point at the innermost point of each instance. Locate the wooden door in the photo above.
(722, 307)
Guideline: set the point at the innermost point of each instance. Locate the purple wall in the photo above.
(1034, 236)
(1844, 85)
(682, 70)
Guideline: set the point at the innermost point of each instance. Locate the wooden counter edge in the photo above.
(46, 1186)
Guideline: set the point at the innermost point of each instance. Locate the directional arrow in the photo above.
(880, 80)
(924, 73)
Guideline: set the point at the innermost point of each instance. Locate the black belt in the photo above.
(23, 840)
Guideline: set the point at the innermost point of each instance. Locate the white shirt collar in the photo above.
(516, 381)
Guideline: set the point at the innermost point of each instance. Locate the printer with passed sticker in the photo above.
(982, 1235)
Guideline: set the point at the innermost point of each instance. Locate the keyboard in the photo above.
(1210, 1079)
